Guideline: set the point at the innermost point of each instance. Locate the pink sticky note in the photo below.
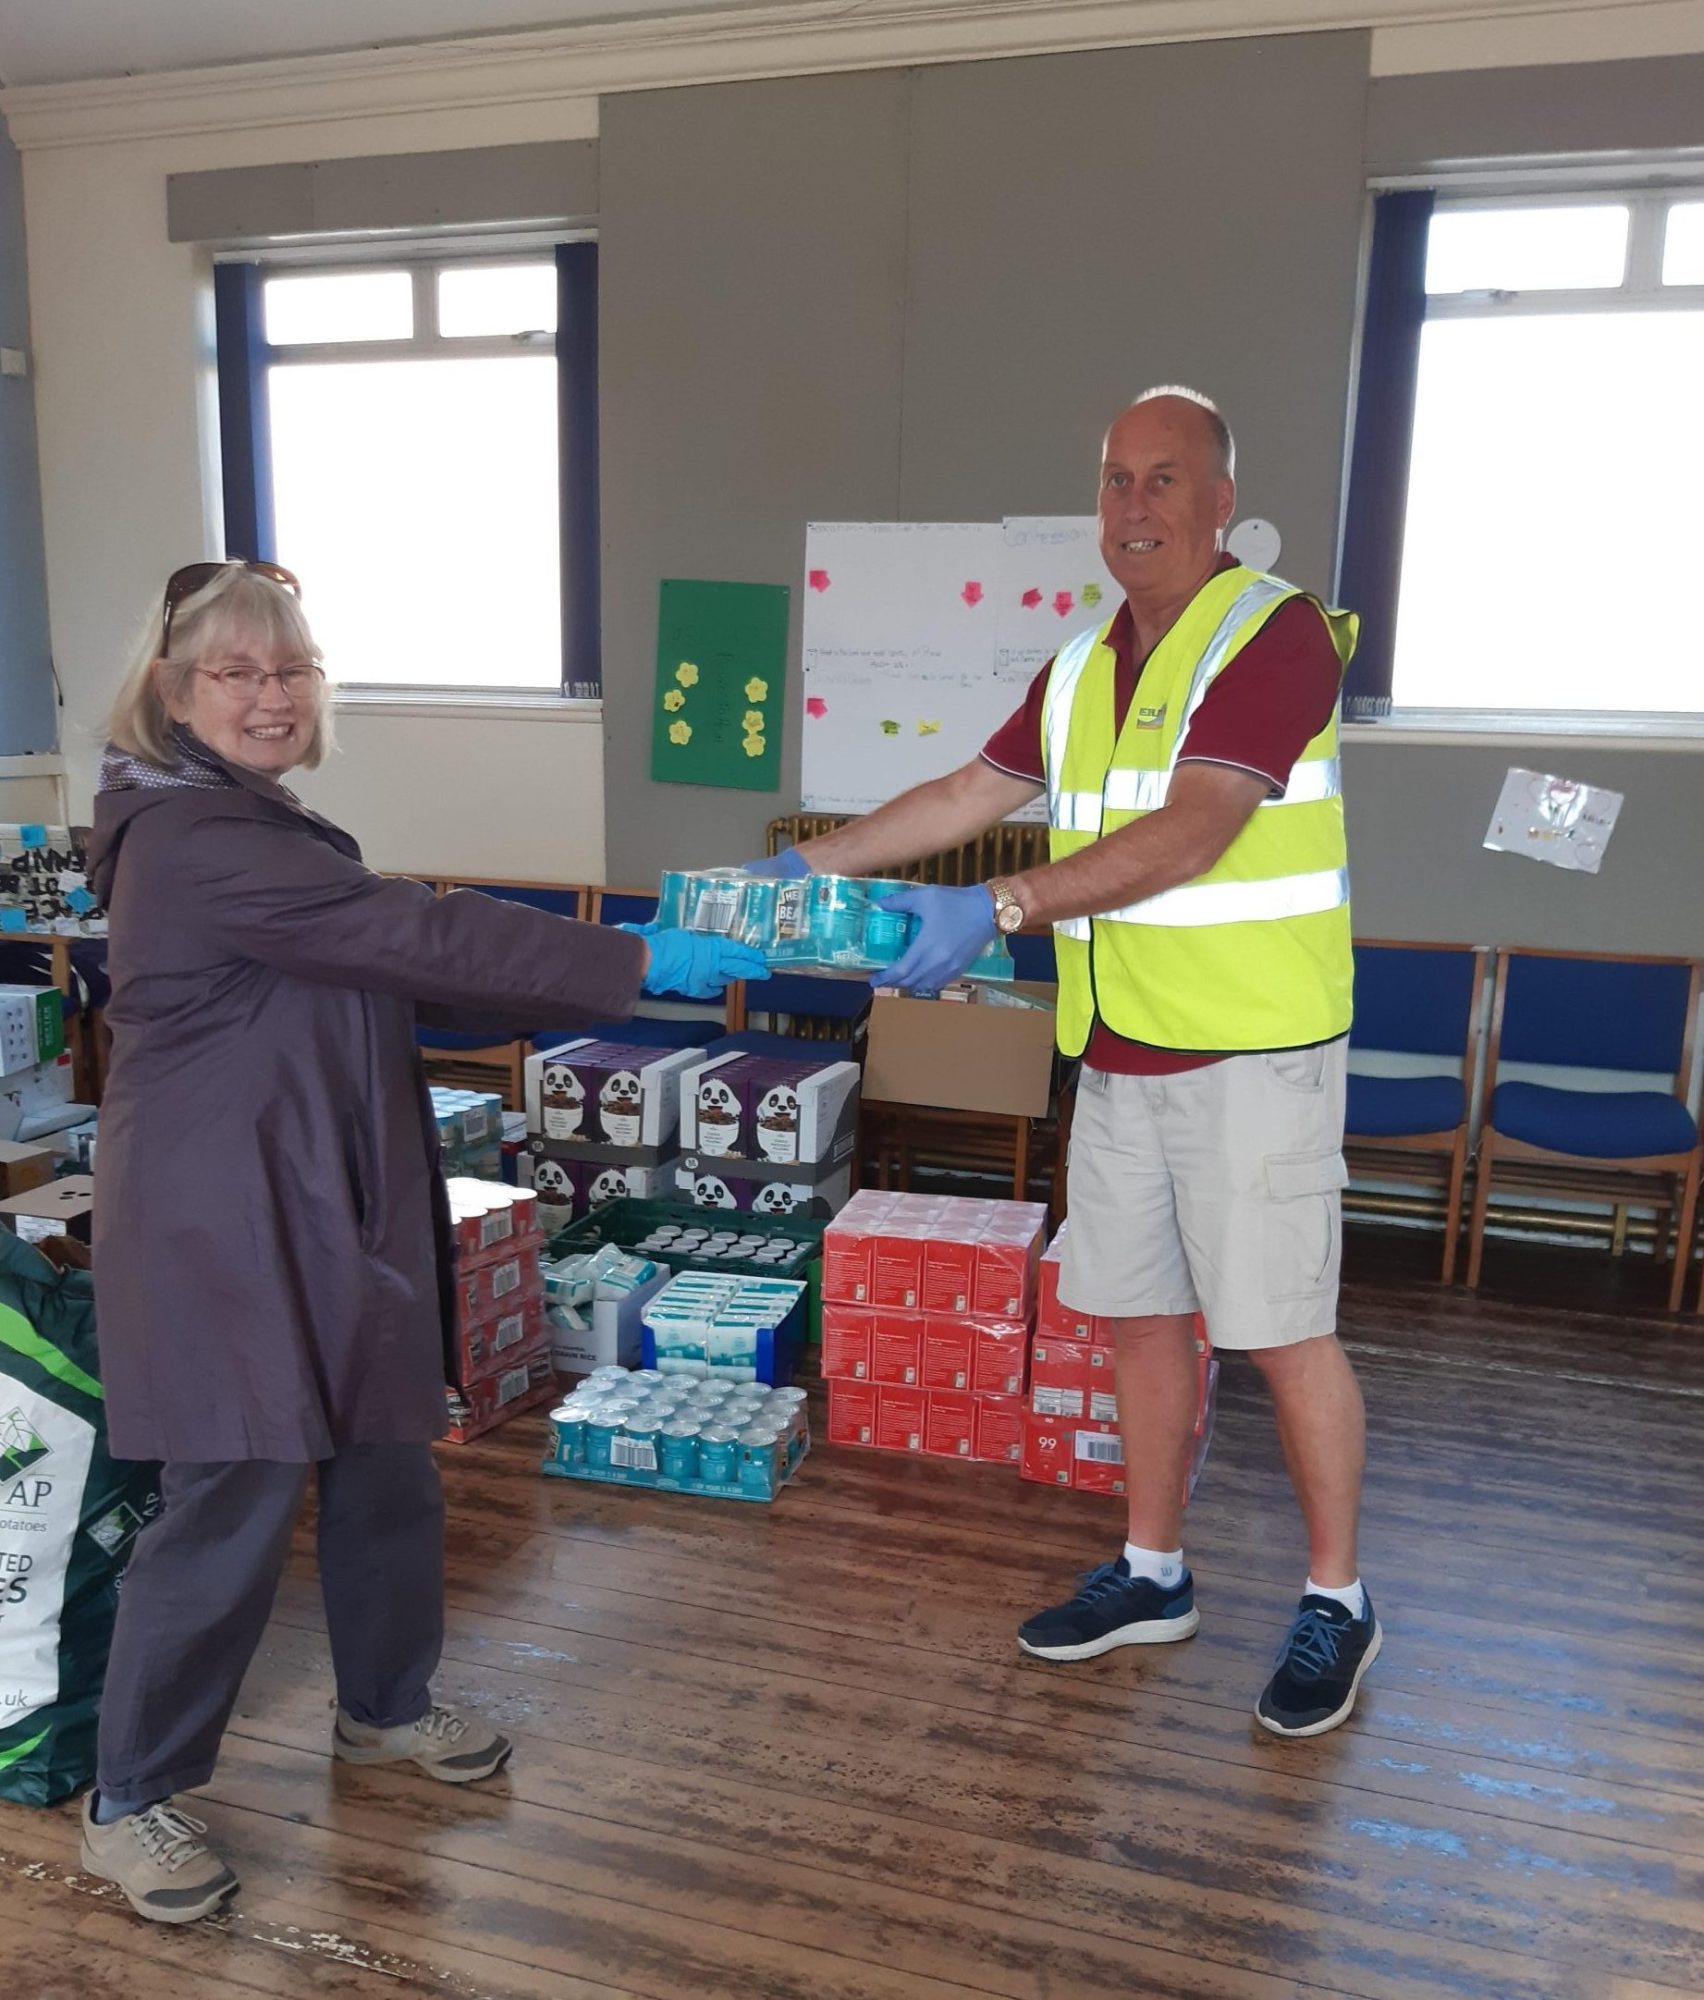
(815, 707)
(818, 579)
(1030, 599)
(972, 593)
(1062, 602)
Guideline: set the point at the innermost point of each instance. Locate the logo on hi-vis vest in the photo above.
(20, 1448)
(1151, 718)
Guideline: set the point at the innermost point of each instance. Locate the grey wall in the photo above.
(923, 297)
(28, 708)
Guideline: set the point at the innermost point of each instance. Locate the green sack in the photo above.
(69, 1516)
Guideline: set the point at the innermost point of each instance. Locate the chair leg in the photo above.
(1481, 1204)
(1452, 1208)
(1020, 1160)
(1684, 1222)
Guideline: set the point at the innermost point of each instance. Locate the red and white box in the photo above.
(949, 1275)
(852, 1412)
(999, 1429)
(902, 1418)
(1000, 1361)
(896, 1266)
(489, 1346)
(1008, 1258)
(846, 1342)
(896, 1349)
(494, 1399)
(949, 1351)
(1047, 1456)
(497, 1285)
(1059, 1377)
(1097, 1459)
(950, 1429)
(1054, 1319)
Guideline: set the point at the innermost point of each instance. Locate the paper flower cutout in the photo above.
(755, 746)
(674, 699)
(754, 720)
(756, 690)
(890, 728)
(680, 732)
(1091, 594)
(687, 674)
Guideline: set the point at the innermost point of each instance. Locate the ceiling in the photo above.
(67, 41)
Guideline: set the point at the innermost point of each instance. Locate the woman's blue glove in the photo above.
(789, 863)
(957, 927)
(699, 965)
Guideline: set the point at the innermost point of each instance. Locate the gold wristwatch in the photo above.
(1008, 911)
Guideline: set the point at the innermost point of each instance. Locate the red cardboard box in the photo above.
(852, 1412)
(504, 1340)
(481, 1406)
(896, 1348)
(1097, 1460)
(1000, 1429)
(949, 1275)
(902, 1418)
(896, 1267)
(949, 1347)
(1000, 1358)
(846, 1342)
(950, 1431)
(1059, 1378)
(846, 1266)
(1008, 1257)
(498, 1286)
(1046, 1457)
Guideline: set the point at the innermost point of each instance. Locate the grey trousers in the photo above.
(196, 1597)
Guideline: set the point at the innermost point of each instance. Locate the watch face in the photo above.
(1009, 917)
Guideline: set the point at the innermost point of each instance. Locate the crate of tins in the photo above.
(470, 1133)
(716, 1439)
(687, 1238)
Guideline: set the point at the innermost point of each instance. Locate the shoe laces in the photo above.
(441, 1722)
(170, 1837)
(1102, 1582)
(1313, 1642)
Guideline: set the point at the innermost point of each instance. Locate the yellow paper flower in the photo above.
(753, 721)
(687, 674)
(1091, 594)
(754, 746)
(674, 699)
(680, 732)
(756, 690)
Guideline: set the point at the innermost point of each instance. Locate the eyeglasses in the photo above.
(192, 577)
(298, 680)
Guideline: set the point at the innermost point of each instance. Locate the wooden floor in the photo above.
(792, 1753)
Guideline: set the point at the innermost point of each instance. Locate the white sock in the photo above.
(1350, 1595)
(1162, 1566)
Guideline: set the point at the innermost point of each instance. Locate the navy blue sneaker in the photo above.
(1320, 1664)
(1113, 1608)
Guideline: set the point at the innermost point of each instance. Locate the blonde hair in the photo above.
(238, 605)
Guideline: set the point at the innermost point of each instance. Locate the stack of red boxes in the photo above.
(1071, 1418)
(928, 1304)
(500, 1362)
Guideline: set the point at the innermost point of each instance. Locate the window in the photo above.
(1553, 518)
(407, 446)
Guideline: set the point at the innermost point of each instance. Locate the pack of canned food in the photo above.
(822, 923)
(638, 1427)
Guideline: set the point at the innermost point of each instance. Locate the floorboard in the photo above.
(792, 1753)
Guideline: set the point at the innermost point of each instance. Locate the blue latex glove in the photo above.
(957, 927)
(699, 965)
(789, 863)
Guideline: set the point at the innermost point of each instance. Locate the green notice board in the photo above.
(721, 677)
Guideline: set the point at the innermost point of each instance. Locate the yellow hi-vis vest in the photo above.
(1254, 954)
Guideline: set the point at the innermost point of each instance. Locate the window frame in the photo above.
(1647, 196)
(422, 257)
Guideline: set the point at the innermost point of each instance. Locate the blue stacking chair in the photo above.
(1417, 1000)
(1591, 1010)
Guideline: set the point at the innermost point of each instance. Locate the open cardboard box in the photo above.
(964, 1056)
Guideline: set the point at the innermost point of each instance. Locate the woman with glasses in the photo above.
(270, 1229)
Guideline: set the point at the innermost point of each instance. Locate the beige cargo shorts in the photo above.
(1216, 1191)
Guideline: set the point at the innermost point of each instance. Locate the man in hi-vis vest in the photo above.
(1199, 898)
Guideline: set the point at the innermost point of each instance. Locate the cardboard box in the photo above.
(61, 1208)
(949, 1275)
(896, 1348)
(790, 1112)
(617, 1094)
(498, 1285)
(902, 1418)
(1000, 1429)
(983, 1057)
(569, 1188)
(491, 1346)
(24, 1167)
(32, 1027)
(999, 1362)
(614, 1332)
(1007, 1259)
(1097, 1459)
(852, 1410)
(896, 1266)
(760, 1189)
(1046, 1457)
(950, 1427)
(847, 1333)
(949, 1347)
(484, 1405)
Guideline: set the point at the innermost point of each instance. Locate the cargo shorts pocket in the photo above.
(1302, 1223)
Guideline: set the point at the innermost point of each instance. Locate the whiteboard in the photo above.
(922, 637)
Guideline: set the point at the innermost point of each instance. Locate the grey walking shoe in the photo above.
(158, 1858)
(455, 1748)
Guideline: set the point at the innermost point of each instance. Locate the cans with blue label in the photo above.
(602, 1428)
(570, 1427)
(718, 1455)
(677, 1450)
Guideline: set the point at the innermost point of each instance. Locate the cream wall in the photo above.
(121, 323)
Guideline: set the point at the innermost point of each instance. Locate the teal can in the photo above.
(601, 1431)
(570, 1426)
(718, 1455)
(633, 1451)
(677, 1450)
(762, 1457)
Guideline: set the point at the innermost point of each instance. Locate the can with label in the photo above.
(762, 1459)
(602, 1428)
(570, 1427)
(633, 1449)
(677, 1449)
(718, 1455)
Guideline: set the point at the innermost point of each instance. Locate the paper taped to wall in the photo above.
(1553, 819)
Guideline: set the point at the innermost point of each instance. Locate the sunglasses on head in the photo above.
(185, 582)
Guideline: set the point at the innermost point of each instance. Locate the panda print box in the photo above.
(606, 1094)
(742, 1107)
